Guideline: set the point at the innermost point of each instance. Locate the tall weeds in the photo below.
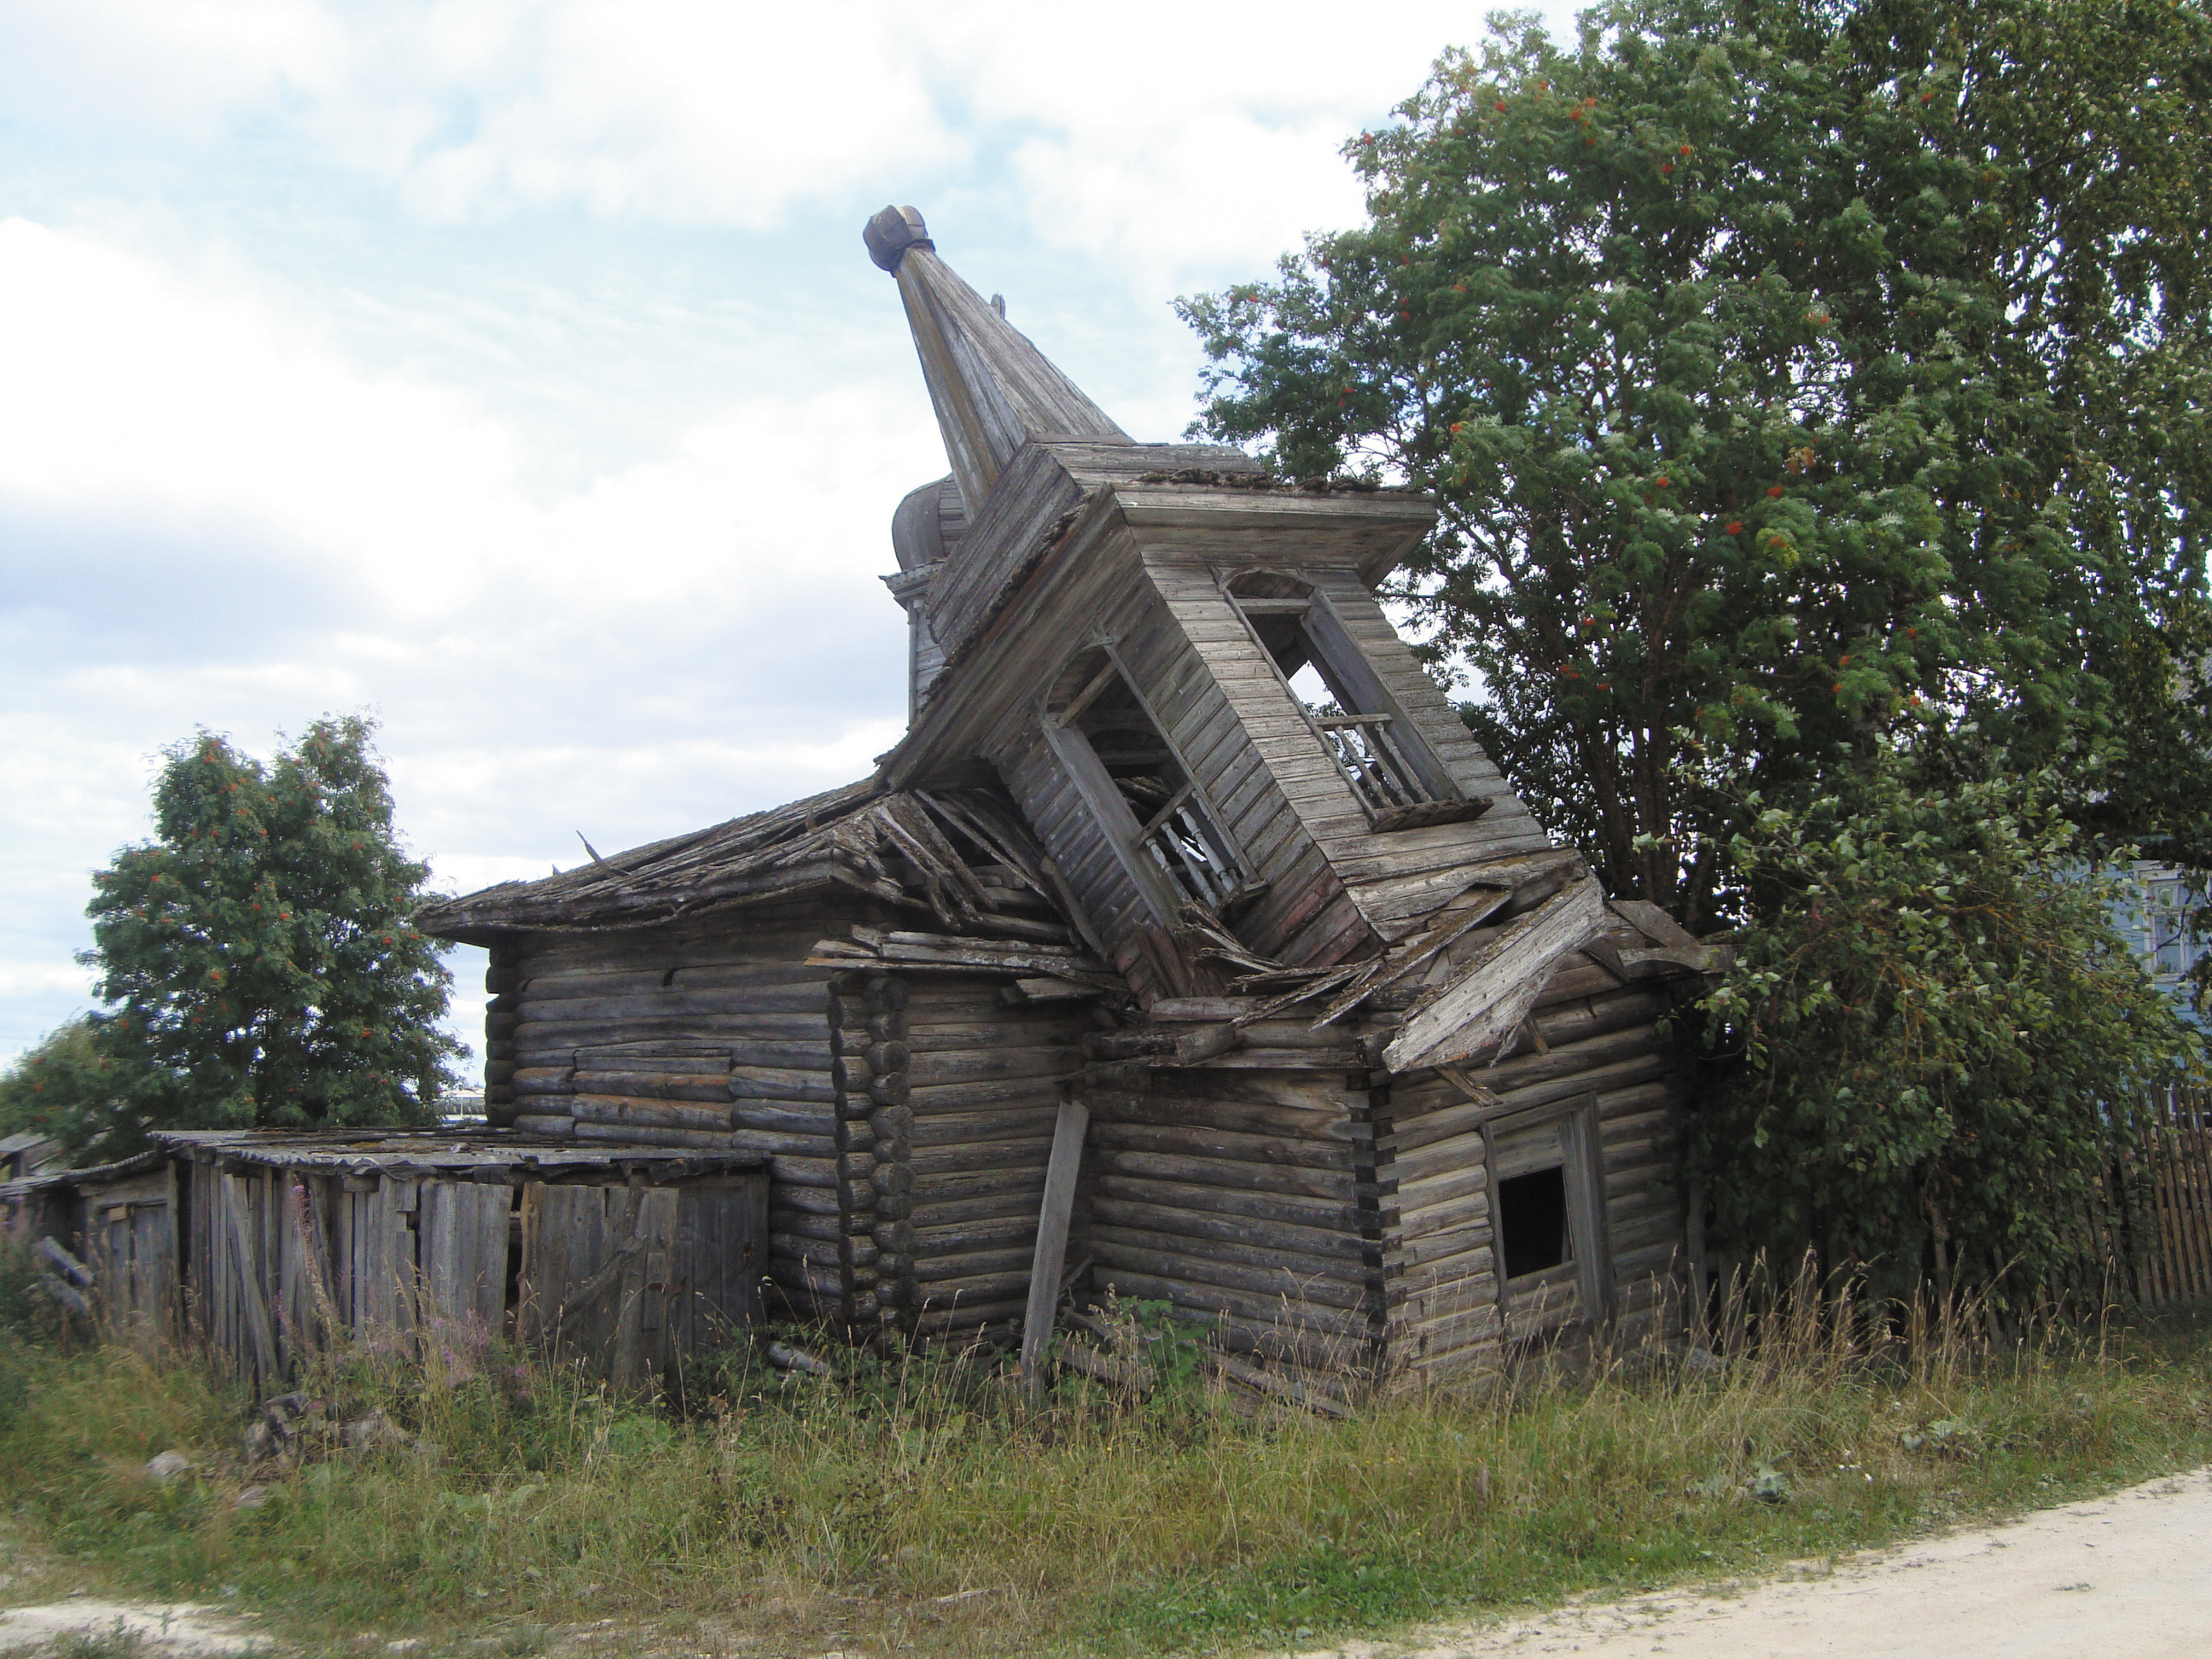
(798, 1512)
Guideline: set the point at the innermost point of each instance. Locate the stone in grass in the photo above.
(252, 1498)
(168, 1466)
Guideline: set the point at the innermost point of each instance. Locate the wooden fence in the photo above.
(2174, 1201)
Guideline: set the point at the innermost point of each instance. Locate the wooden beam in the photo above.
(1051, 1254)
(1494, 992)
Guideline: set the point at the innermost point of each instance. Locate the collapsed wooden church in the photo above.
(1186, 947)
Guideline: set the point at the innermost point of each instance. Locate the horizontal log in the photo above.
(1202, 1298)
(1466, 1210)
(1460, 1183)
(980, 1155)
(923, 1038)
(1441, 1158)
(657, 1085)
(945, 1294)
(1666, 1091)
(731, 1140)
(1473, 1266)
(1115, 1250)
(650, 1114)
(961, 1238)
(997, 1205)
(1346, 1360)
(825, 1284)
(1322, 1242)
(800, 1171)
(1217, 1172)
(778, 966)
(967, 1316)
(1320, 1214)
(540, 1123)
(1202, 1140)
(952, 1185)
(544, 1080)
(1512, 1079)
(1443, 1243)
(972, 1097)
(1198, 1010)
(605, 1043)
(815, 1252)
(1109, 1238)
(783, 1117)
(815, 1200)
(782, 1083)
(966, 1266)
(1241, 1116)
(1339, 1058)
(718, 1010)
(957, 1129)
(806, 1224)
(1293, 1090)
(1441, 1332)
(927, 1069)
(1026, 992)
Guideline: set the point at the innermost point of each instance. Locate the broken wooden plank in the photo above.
(1492, 994)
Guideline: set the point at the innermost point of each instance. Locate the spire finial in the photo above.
(994, 391)
(891, 233)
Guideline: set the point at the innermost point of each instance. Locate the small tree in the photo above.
(1944, 1047)
(61, 1082)
(261, 953)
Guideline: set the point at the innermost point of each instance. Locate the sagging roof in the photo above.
(902, 846)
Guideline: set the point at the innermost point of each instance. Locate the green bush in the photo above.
(1943, 1047)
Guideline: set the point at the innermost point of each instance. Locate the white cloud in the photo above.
(1184, 134)
(670, 643)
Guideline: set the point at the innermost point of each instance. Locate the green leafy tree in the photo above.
(61, 1083)
(1945, 1049)
(1790, 376)
(260, 952)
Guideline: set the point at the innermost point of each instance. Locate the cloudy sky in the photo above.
(511, 369)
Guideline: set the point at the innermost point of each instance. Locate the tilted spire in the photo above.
(993, 390)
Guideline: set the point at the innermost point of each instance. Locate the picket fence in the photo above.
(2173, 1203)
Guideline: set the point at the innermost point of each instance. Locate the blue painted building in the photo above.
(2157, 923)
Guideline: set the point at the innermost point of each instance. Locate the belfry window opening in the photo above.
(1139, 786)
(1376, 747)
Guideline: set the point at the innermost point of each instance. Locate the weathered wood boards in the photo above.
(1492, 995)
(403, 1242)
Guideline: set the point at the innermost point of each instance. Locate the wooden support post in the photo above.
(1051, 1255)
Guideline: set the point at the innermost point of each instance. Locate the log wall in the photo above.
(1248, 1198)
(710, 1033)
(1445, 1319)
(946, 1105)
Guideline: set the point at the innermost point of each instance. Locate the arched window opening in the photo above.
(1392, 770)
(1136, 786)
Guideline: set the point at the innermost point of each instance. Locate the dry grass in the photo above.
(792, 1516)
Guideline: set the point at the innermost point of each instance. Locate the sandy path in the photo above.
(159, 1628)
(2129, 1575)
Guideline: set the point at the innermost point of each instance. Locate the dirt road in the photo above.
(2130, 1574)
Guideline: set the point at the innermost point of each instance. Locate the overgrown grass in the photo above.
(796, 1515)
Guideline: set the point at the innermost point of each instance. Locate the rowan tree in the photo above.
(1790, 376)
(258, 951)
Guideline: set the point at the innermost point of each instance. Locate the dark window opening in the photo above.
(1167, 828)
(1532, 1221)
(1381, 757)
